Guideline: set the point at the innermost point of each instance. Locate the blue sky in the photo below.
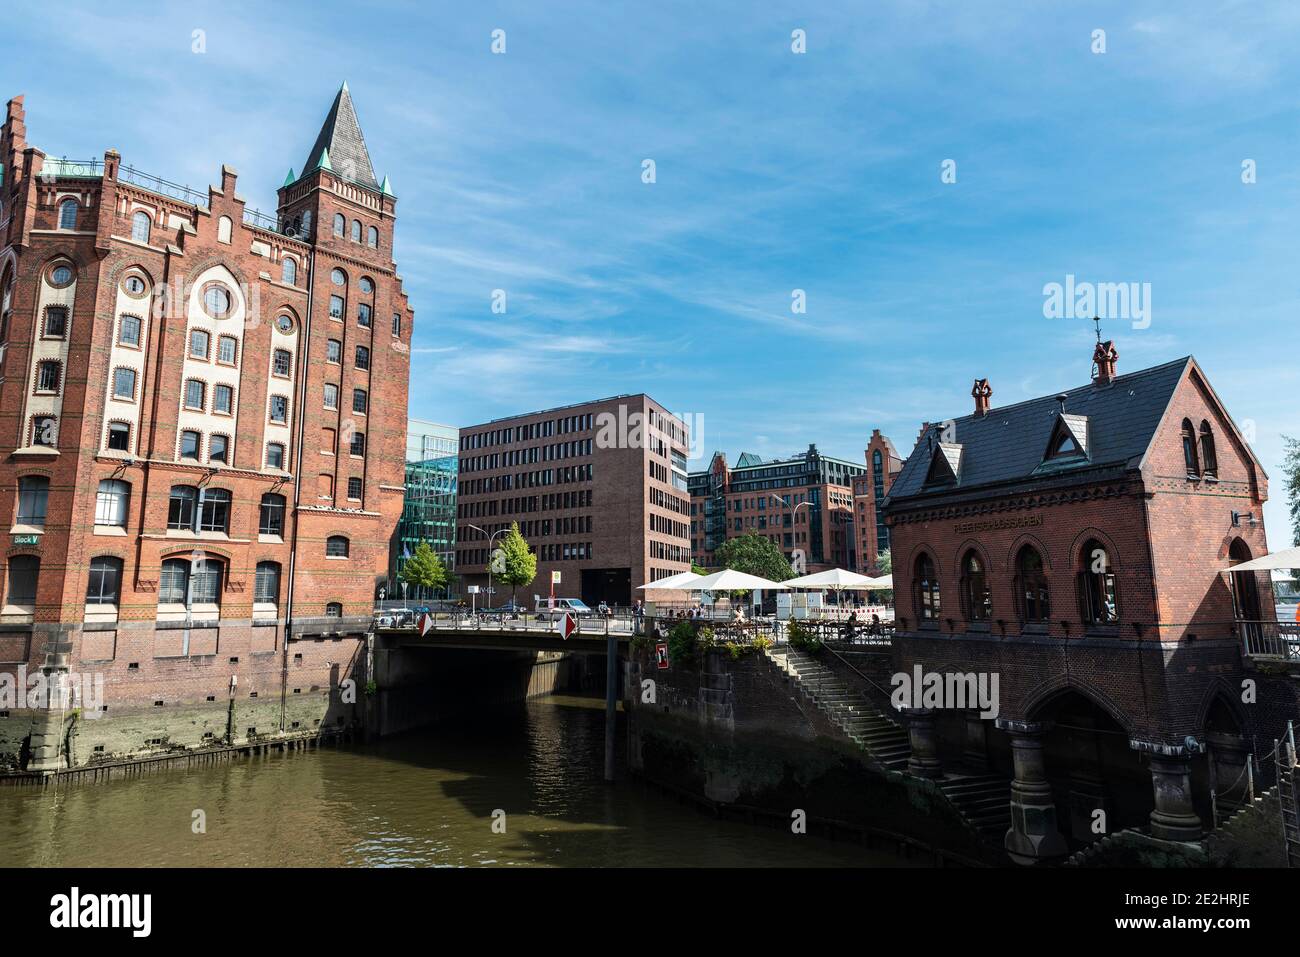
(775, 172)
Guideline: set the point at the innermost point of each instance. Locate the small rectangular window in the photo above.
(331, 395)
(227, 349)
(275, 456)
(363, 357)
(195, 394)
(56, 322)
(334, 351)
(218, 447)
(363, 315)
(47, 377)
(358, 443)
(223, 399)
(279, 409)
(124, 383)
(397, 324)
(336, 307)
(189, 445)
(354, 488)
(359, 401)
(129, 332)
(199, 342)
(282, 362)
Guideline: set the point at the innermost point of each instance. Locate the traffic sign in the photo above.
(426, 622)
(661, 654)
(555, 578)
(567, 625)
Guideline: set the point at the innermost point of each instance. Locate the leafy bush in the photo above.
(803, 638)
(704, 639)
(761, 642)
(681, 643)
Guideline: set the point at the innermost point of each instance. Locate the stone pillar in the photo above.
(1034, 834)
(924, 762)
(1174, 819)
(975, 753)
(47, 720)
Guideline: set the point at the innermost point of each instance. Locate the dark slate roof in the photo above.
(341, 136)
(1009, 443)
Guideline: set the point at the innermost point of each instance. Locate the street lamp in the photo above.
(793, 512)
(499, 531)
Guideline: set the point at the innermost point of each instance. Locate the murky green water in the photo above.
(423, 799)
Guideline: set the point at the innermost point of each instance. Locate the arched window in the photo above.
(24, 573)
(105, 581)
(1189, 450)
(372, 238)
(1245, 591)
(181, 507)
(975, 589)
(33, 498)
(927, 589)
(1209, 460)
(337, 546)
(340, 224)
(140, 227)
(190, 583)
(112, 503)
(214, 510)
(225, 229)
(289, 270)
(270, 519)
(1031, 586)
(266, 584)
(1098, 598)
(333, 610)
(356, 230)
(68, 214)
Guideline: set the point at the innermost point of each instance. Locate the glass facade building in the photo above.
(429, 506)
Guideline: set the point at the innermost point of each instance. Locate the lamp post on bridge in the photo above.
(499, 531)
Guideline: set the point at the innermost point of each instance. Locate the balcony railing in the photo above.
(64, 168)
(1273, 640)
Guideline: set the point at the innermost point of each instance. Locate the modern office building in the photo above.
(802, 504)
(598, 490)
(429, 505)
(202, 420)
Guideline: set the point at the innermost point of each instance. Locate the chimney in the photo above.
(982, 392)
(1104, 359)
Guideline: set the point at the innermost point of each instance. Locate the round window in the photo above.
(284, 324)
(61, 275)
(216, 300)
(338, 278)
(134, 286)
(367, 285)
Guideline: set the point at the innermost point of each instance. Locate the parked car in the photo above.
(562, 606)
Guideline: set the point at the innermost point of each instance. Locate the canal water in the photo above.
(423, 799)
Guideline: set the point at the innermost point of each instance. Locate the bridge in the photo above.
(507, 632)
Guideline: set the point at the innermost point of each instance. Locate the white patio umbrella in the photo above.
(682, 581)
(835, 578)
(1286, 558)
(731, 580)
(883, 583)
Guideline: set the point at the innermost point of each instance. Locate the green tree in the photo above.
(698, 569)
(424, 569)
(518, 564)
(1291, 475)
(754, 555)
(885, 562)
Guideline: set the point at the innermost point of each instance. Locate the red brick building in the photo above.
(1075, 546)
(202, 425)
(869, 491)
(598, 490)
(803, 504)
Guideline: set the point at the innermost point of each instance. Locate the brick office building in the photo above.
(202, 421)
(598, 490)
(869, 490)
(803, 504)
(1074, 545)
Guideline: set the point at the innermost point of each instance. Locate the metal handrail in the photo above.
(1270, 639)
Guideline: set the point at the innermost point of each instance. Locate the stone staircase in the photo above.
(847, 709)
(984, 800)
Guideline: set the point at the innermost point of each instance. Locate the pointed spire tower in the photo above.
(340, 147)
(338, 200)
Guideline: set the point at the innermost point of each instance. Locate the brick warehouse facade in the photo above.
(869, 491)
(803, 504)
(202, 424)
(598, 490)
(1074, 546)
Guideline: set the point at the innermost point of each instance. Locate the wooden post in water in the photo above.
(611, 700)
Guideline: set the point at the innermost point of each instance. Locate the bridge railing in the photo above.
(507, 622)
